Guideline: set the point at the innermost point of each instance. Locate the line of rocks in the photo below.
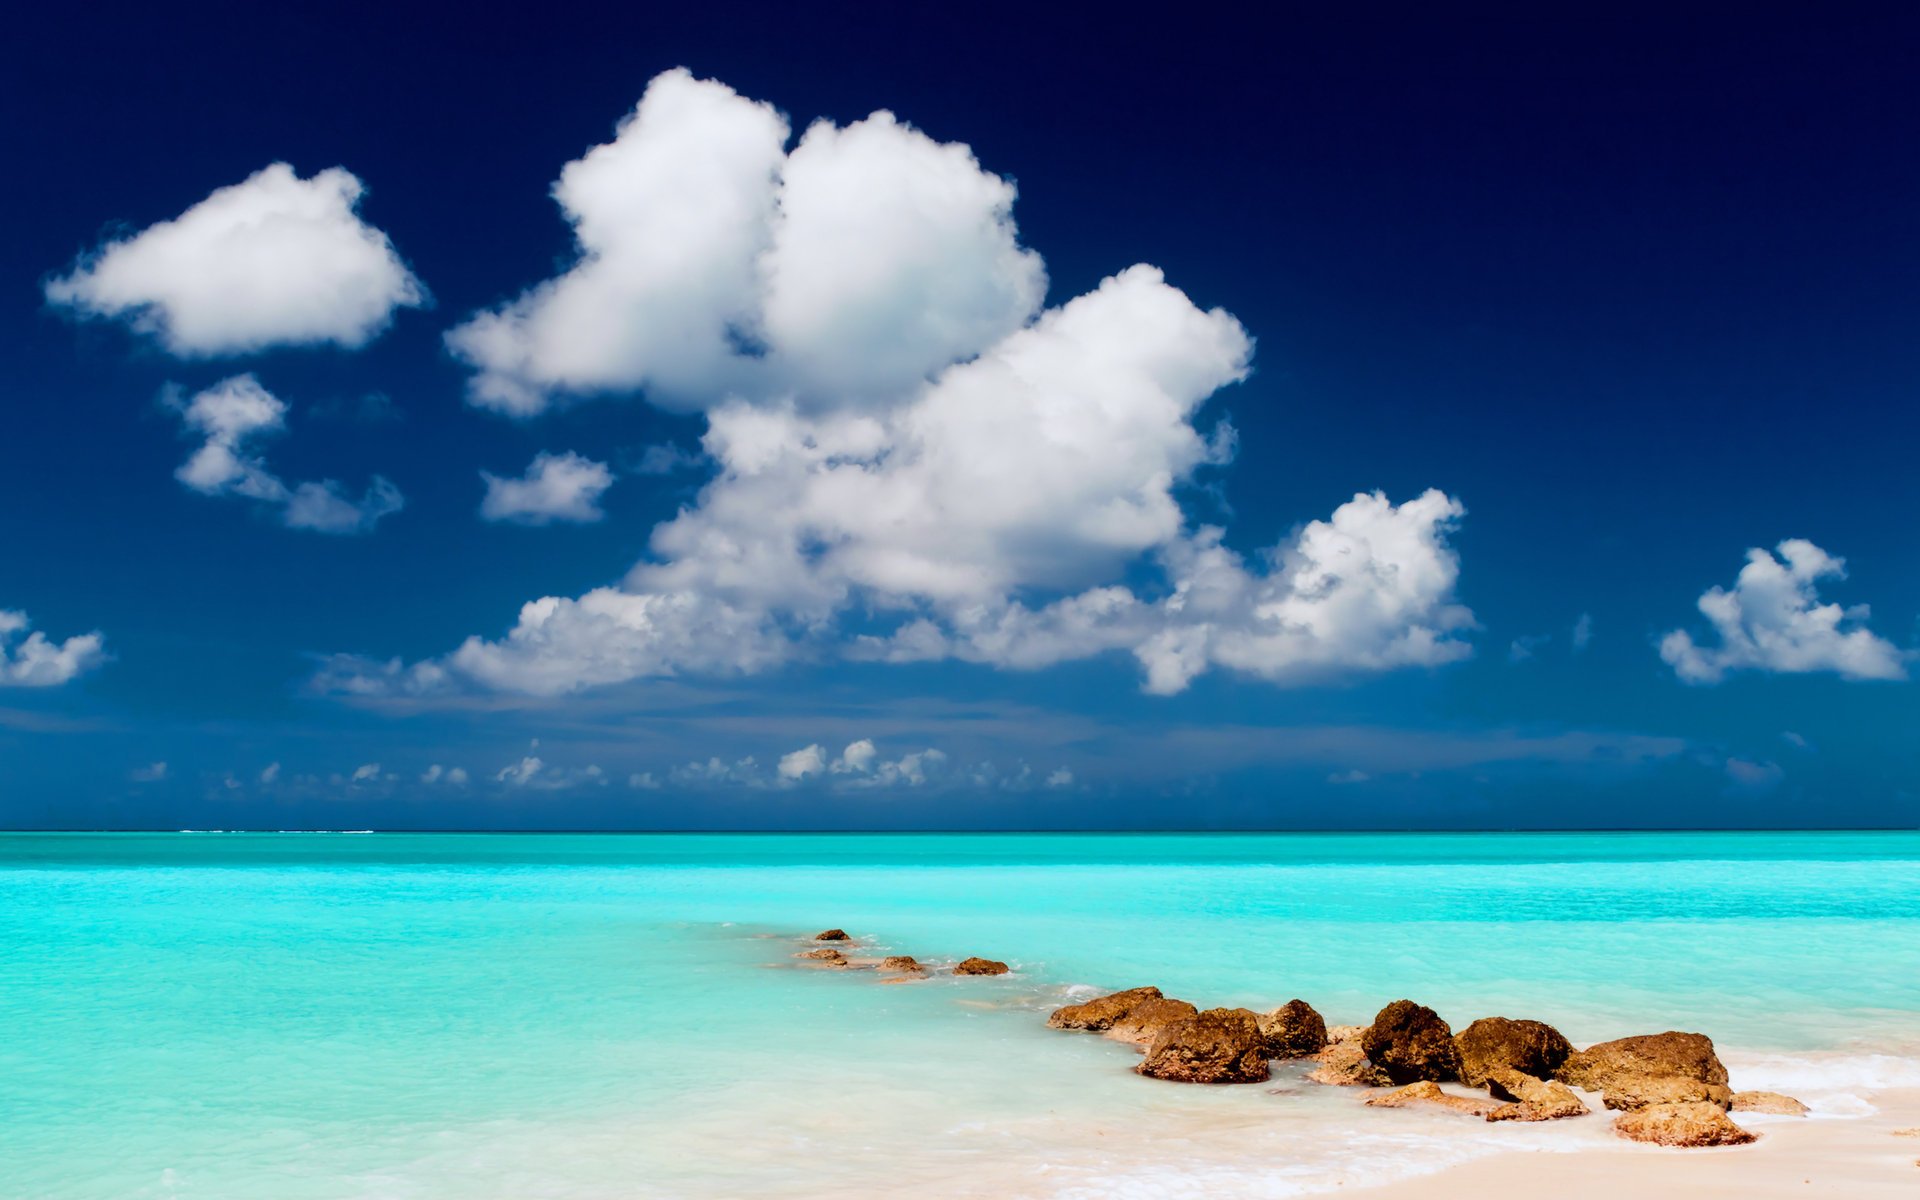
(901, 967)
(1670, 1088)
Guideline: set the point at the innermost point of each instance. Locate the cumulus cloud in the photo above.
(556, 487)
(29, 658)
(808, 760)
(232, 417)
(1772, 620)
(273, 261)
(536, 774)
(447, 776)
(897, 429)
(270, 773)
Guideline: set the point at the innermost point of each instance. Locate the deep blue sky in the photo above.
(1641, 291)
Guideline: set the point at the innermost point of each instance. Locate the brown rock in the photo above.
(903, 962)
(832, 935)
(1495, 1044)
(825, 953)
(1100, 1013)
(1535, 1099)
(1768, 1102)
(1343, 1033)
(1428, 1092)
(1656, 1068)
(1344, 1064)
(1410, 1042)
(1294, 1030)
(1144, 1021)
(1697, 1124)
(979, 966)
(1220, 1045)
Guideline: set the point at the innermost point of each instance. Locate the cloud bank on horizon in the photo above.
(900, 429)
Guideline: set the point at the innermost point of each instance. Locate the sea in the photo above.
(428, 1016)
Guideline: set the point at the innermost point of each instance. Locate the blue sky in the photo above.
(611, 421)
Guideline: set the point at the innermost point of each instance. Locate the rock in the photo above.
(1428, 1092)
(1534, 1099)
(1768, 1102)
(1655, 1068)
(1343, 1033)
(979, 966)
(1100, 1013)
(1696, 1124)
(1220, 1045)
(832, 935)
(903, 962)
(1344, 1064)
(1495, 1044)
(824, 953)
(1144, 1021)
(1294, 1030)
(1410, 1042)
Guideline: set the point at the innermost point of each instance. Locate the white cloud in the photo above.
(857, 758)
(1350, 776)
(366, 773)
(665, 458)
(643, 781)
(1772, 620)
(532, 772)
(231, 417)
(711, 262)
(556, 487)
(1582, 632)
(151, 773)
(29, 658)
(808, 760)
(270, 773)
(906, 437)
(449, 776)
(1526, 646)
(275, 260)
(1060, 778)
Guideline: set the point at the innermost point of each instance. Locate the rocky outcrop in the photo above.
(1410, 1042)
(1099, 1014)
(1534, 1099)
(832, 935)
(1428, 1093)
(825, 956)
(1220, 1045)
(1144, 1021)
(1696, 1124)
(979, 966)
(1768, 1102)
(1494, 1045)
(903, 962)
(1343, 1033)
(1294, 1030)
(1655, 1068)
(1344, 1064)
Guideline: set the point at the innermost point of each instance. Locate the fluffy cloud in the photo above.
(896, 429)
(711, 262)
(231, 417)
(450, 776)
(556, 487)
(275, 260)
(1772, 620)
(531, 772)
(29, 658)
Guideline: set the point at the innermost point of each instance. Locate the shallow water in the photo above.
(238, 1015)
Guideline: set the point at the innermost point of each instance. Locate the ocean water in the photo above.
(597, 1016)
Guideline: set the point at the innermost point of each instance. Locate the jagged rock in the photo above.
(1696, 1124)
(825, 953)
(979, 966)
(1343, 1033)
(1495, 1044)
(1294, 1030)
(832, 935)
(1100, 1013)
(1655, 1068)
(1410, 1042)
(1144, 1021)
(1768, 1102)
(1220, 1045)
(1344, 1064)
(1428, 1092)
(1534, 1099)
(903, 962)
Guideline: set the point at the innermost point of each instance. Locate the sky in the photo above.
(833, 417)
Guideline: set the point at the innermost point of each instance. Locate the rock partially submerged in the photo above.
(832, 935)
(825, 956)
(1410, 1042)
(1144, 1021)
(1220, 1045)
(979, 966)
(1652, 1069)
(1534, 1099)
(1344, 1064)
(1427, 1092)
(1099, 1014)
(1768, 1102)
(1494, 1045)
(906, 963)
(1695, 1124)
(1294, 1030)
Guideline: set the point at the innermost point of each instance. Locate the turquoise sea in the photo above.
(430, 1016)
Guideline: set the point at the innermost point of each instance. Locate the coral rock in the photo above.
(1495, 1044)
(903, 962)
(1220, 1045)
(1410, 1042)
(1535, 1099)
(1294, 1030)
(832, 935)
(1428, 1092)
(1100, 1013)
(1656, 1068)
(979, 966)
(1696, 1124)
(1344, 1064)
(1768, 1102)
